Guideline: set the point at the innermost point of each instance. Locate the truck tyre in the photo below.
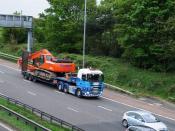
(79, 93)
(30, 77)
(60, 86)
(34, 79)
(65, 90)
(25, 76)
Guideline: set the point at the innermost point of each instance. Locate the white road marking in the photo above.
(104, 108)
(150, 104)
(69, 108)
(27, 81)
(60, 92)
(2, 94)
(157, 104)
(10, 67)
(1, 81)
(137, 108)
(31, 93)
(1, 72)
(6, 127)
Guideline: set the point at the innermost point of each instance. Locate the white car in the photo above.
(134, 118)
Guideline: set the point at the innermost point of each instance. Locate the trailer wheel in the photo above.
(25, 76)
(60, 86)
(34, 79)
(30, 77)
(65, 90)
(79, 93)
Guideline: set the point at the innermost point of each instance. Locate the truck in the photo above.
(86, 82)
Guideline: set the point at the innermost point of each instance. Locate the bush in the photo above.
(154, 85)
(135, 83)
(171, 91)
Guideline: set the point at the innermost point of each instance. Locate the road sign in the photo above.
(16, 21)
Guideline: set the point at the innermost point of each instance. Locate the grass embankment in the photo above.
(119, 73)
(19, 124)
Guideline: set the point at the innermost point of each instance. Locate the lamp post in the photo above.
(84, 37)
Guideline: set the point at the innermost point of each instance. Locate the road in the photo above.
(103, 114)
(4, 127)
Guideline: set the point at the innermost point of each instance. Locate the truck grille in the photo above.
(95, 90)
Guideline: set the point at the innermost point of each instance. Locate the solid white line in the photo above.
(104, 108)
(69, 108)
(10, 67)
(31, 93)
(137, 108)
(4, 126)
(1, 72)
(27, 81)
(59, 92)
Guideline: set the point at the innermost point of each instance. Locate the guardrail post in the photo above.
(36, 128)
(41, 115)
(51, 119)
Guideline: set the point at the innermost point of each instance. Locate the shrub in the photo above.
(154, 85)
(135, 83)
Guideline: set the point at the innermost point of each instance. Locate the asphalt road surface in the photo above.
(101, 114)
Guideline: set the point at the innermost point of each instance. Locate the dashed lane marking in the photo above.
(31, 93)
(60, 92)
(1, 81)
(104, 108)
(1, 72)
(69, 108)
(27, 81)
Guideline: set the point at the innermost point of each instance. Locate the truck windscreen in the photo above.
(95, 77)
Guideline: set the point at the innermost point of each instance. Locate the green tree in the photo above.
(14, 35)
(145, 30)
(63, 25)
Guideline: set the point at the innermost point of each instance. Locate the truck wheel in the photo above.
(65, 90)
(30, 77)
(25, 76)
(34, 79)
(79, 93)
(59, 86)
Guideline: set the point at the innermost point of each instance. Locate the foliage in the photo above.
(14, 35)
(145, 30)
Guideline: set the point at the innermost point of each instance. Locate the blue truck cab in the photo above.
(87, 83)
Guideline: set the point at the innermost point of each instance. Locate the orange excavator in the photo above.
(44, 60)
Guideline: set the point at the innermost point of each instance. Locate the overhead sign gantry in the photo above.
(19, 21)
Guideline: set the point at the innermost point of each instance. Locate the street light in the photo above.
(84, 37)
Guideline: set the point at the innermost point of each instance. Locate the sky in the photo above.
(28, 7)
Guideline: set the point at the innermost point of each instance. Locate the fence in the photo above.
(42, 115)
(11, 57)
(26, 120)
